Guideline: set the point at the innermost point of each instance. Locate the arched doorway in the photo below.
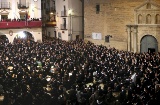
(149, 44)
(23, 36)
(4, 39)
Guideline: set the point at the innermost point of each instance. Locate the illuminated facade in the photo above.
(19, 18)
(69, 16)
(62, 19)
(48, 18)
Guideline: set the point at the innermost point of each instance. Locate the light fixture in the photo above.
(35, 0)
(21, 35)
(23, 11)
(70, 11)
(51, 13)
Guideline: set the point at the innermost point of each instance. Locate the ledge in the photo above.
(20, 24)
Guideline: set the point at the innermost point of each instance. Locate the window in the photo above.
(22, 15)
(139, 19)
(59, 35)
(49, 34)
(157, 19)
(4, 4)
(97, 9)
(148, 6)
(4, 17)
(64, 10)
(44, 5)
(148, 19)
(22, 2)
(64, 23)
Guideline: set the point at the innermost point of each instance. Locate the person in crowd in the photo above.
(57, 72)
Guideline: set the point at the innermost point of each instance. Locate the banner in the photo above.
(96, 36)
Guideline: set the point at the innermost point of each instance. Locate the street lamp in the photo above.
(70, 11)
(51, 13)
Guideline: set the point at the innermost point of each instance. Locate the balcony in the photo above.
(63, 26)
(50, 23)
(52, 9)
(23, 6)
(8, 24)
(49, 10)
(63, 14)
(5, 5)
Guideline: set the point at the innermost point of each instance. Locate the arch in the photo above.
(157, 19)
(23, 35)
(148, 19)
(139, 19)
(148, 42)
(3, 38)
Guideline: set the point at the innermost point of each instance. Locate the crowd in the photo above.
(77, 73)
(12, 20)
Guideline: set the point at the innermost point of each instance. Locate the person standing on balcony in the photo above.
(27, 16)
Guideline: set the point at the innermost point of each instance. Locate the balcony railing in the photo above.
(63, 26)
(23, 6)
(5, 5)
(8, 24)
(63, 14)
(50, 23)
(52, 9)
(49, 10)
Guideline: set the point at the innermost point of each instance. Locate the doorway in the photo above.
(3, 42)
(77, 37)
(149, 44)
(23, 36)
(55, 34)
(151, 50)
(59, 35)
(4, 39)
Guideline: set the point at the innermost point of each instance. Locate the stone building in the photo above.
(130, 25)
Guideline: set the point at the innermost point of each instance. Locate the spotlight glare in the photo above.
(21, 35)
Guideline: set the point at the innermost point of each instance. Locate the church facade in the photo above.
(130, 25)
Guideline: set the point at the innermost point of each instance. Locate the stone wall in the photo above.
(112, 19)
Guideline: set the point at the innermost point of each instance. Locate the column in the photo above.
(132, 39)
(39, 9)
(15, 12)
(128, 37)
(135, 38)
